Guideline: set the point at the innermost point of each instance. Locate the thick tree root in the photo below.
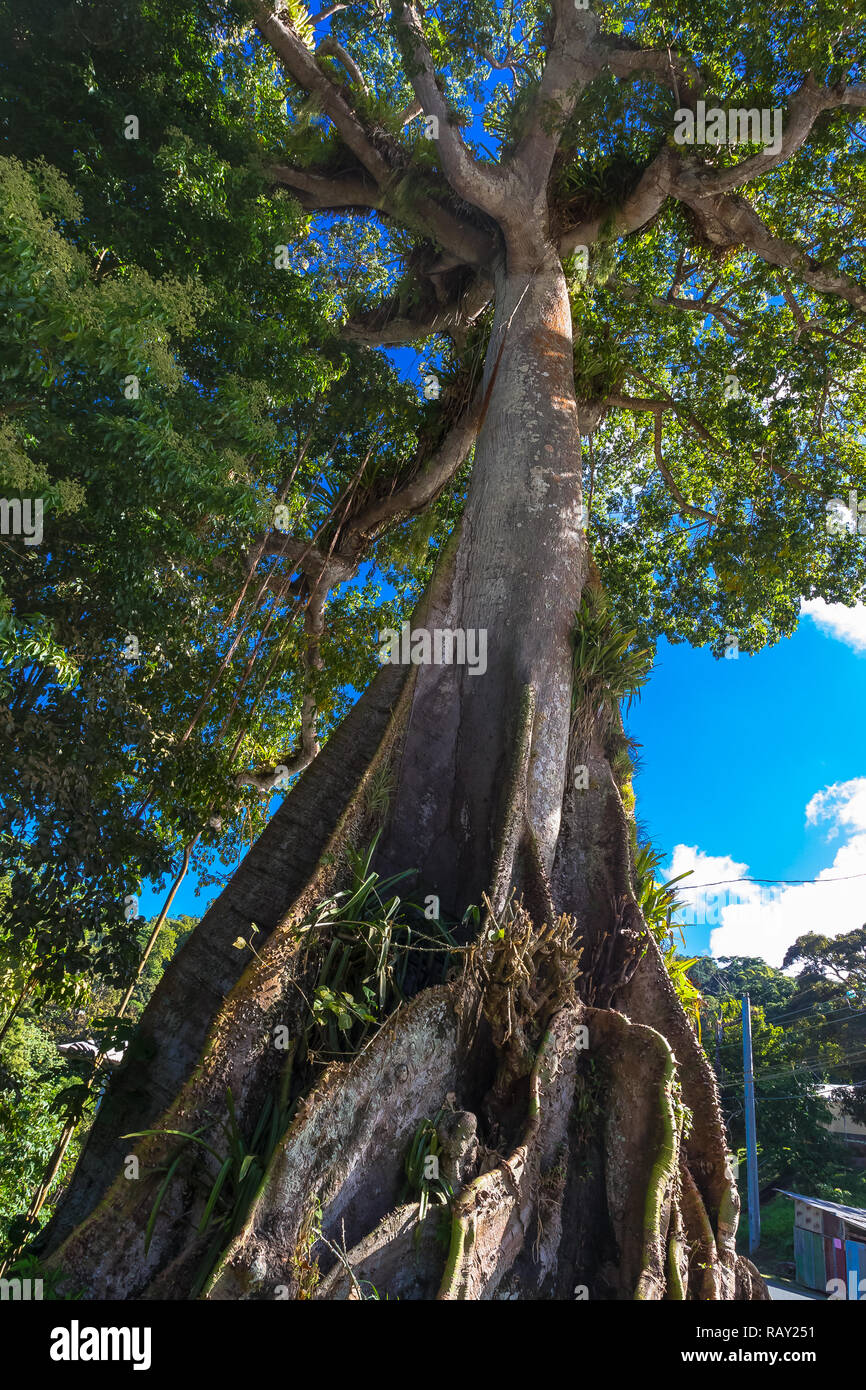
(401, 1258)
(508, 1238)
(579, 1072)
(345, 1150)
(650, 998)
(493, 1214)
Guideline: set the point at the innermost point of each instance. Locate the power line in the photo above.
(807, 1008)
(719, 883)
(840, 1016)
(834, 1018)
(815, 1058)
(794, 1013)
(812, 1063)
(838, 1085)
(809, 1064)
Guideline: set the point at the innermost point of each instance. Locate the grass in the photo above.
(775, 1255)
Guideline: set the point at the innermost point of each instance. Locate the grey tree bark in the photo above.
(518, 574)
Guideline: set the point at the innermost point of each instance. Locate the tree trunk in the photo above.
(175, 1025)
(578, 1119)
(519, 570)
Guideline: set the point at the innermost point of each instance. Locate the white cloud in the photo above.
(847, 625)
(705, 868)
(843, 805)
(750, 919)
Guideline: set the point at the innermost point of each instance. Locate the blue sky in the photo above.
(734, 749)
(757, 767)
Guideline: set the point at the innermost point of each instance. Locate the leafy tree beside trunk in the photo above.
(648, 359)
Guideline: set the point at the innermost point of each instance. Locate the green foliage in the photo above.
(32, 1076)
(365, 944)
(831, 966)
(730, 977)
(164, 386)
(53, 1280)
(598, 182)
(424, 1182)
(831, 984)
(658, 902)
(39, 1089)
(608, 668)
(235, 1174)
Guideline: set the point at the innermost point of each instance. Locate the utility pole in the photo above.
(751, 1140)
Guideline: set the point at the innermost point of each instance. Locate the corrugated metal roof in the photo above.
(855, 1216)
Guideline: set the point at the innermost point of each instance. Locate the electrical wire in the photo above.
(719, 883)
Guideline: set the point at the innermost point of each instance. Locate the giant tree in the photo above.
(644, 298)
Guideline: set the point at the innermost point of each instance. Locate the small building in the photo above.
(829, 1244)
(851, 1131)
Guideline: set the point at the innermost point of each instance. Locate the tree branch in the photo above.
(685, 508)
(420, 491)
(323, 571)
(704, 306)
(308, 558)
(331, 47)
(700, 187)
(731, 221)
(648, 198)
(326, 13)
(389, 325)
(320, 192)
(681, 75)
(411, 111)
(657, 408)
(381, 159)
(480, 185)
(574, 58)
(807, 103)
(268, 777)
(301, 65)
